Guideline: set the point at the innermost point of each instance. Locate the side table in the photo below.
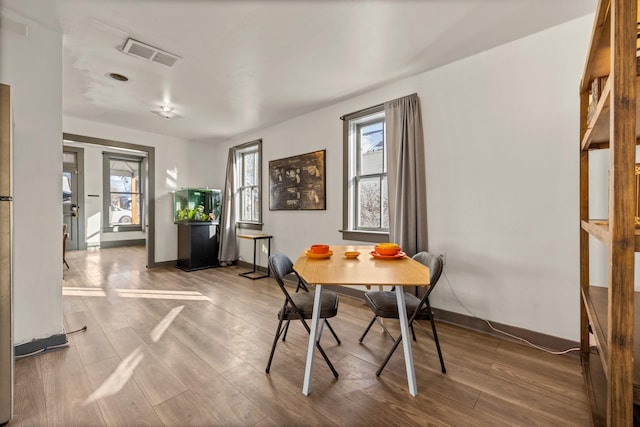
(255, 274)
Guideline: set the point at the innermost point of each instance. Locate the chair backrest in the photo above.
(281, 265)
(434, 263)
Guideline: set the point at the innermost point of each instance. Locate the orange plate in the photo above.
(318, 256)
(379, 256)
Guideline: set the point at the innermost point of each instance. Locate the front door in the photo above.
(71, 209)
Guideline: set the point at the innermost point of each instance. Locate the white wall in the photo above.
(32, 66)
(173, 170)
(501, 132)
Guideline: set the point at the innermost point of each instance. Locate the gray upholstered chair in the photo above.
(299, 305)
(384, 305)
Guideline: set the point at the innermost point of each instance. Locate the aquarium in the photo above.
(197, 205)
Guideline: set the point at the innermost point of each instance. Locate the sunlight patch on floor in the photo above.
(83, 292)
(119, 378)
(136, 293)
(162, 326)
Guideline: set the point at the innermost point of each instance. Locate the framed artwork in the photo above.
(298, 182)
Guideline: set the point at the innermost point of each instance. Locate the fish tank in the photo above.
(197, 205)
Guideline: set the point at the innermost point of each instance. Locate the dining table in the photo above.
(336, 269)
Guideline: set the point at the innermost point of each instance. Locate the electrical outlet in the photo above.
(443, 257)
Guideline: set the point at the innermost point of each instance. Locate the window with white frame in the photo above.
(123, 192)
(366, 210)
(249, 188)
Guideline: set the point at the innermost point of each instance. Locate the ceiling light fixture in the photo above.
(166, 112)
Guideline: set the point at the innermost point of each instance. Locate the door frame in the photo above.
(151, 186)
(79, 173)
(6, 268)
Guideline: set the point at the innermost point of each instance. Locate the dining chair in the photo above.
(384, 305)
(299, 306)
(65, 235)
(302, 285)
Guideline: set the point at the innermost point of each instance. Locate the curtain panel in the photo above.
(406, 174)
(227, 248)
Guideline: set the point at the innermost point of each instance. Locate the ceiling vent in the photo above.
(144, 51)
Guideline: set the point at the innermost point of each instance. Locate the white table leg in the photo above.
(406, 341)
(313, 336)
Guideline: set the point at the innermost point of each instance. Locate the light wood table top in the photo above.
(254, 236)
(364, 270)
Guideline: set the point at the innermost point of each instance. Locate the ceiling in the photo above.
(247, 64)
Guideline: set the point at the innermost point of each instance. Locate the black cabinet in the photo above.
(197, 246)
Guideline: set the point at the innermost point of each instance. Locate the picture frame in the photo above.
(298, 182)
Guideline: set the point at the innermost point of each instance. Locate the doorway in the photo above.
(72, 194)
(149, 186)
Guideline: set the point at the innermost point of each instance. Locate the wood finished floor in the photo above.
(166, 347)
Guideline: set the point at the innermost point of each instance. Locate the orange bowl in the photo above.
(387, 249)
(319, 249)
(351, 254)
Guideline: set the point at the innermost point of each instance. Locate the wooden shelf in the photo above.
(596, 303)
(598, 62)
(600, 231)
(596, 387)
(597, 135)
(611, 314)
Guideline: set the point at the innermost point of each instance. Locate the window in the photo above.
(123, 196)
(249, 189)
(366, 209)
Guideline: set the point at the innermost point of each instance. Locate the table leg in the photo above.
(406, 341)
(268, 255)
(313, 337)
(255, 244)
(254, 274)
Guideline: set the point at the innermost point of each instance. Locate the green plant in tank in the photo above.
(198, 214)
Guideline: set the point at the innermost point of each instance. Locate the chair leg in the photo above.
(66, 263)
(273, 347)
(396, 342)
(435, 338)
(413, 332)
(286, 329)
(324, 355)
(384, 328)
(332, 331)
(386, 359)
(366, 331)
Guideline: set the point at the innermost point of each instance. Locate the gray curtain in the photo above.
(227, 250)
(406, 174)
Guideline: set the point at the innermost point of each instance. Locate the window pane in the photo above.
(67, 193)
(124, 176)
(371, 148)
(125, 209)
(246, 207)
(385, 203)
(369, 203)
(249, 167)
(69, 157)
(256, 204)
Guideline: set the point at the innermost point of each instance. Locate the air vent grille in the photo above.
(149, 53)
(164, 59)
